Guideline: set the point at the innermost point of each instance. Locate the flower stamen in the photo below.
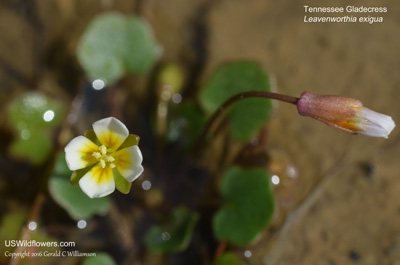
(104, 158)
(97, 155)
(103, 150)
(102, 163)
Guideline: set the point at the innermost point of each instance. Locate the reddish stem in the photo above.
(250, 94)
(220, 249)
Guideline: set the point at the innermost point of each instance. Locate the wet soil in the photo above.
(347, 208)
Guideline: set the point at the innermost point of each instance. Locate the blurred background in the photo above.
(343, 206)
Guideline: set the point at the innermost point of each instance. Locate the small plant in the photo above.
(195, 189)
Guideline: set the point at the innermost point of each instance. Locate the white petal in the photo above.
(110, 132)
(78, 153)
(128, 162)
(98, 182)
(374, 124)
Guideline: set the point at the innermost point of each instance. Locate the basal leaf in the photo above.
(33, 111)
(114, 44)
(74, 201)
(102, 47)
(142, 50)
(72, 198)
(248, 208)
(32, 145)
(248, 115)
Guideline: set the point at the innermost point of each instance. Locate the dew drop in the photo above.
(177, 98)
(275, 179)
(146, 185)
(25, 134)
(99, 84)
(48, 116)
(248, 253)
(32, 225)
(81, 224)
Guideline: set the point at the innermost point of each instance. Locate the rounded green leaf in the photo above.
(34, 110)
(32, 115)
(249, 205)
(173, 236)
(102, 47)
(32, 145)
(99, 259)
(71, 198)
(142, 50)
(247, 116)
(114, 44)
(74, 201)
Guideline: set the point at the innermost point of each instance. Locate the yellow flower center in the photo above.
(104, 157)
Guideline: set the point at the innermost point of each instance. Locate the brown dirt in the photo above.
(353, 217)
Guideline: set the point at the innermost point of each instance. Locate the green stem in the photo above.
(250, 94)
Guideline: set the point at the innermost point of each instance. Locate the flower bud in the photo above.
(345, 114)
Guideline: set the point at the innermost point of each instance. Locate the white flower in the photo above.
(374, 124)
(107, 158)
(346, 114)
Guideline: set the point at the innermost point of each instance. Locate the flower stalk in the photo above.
(342, 113)
(232, 100)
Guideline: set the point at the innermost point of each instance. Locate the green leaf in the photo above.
(74, 201)
(246, 116)
(34, 146)
(32, 115)
(114, 44)
(99, 259)
(173, 236)
(72, 198)
(131, 140)
(33, 111)
(249, 205)
(143, 51)
(121, 183)
(102, 47)
(228, 258)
